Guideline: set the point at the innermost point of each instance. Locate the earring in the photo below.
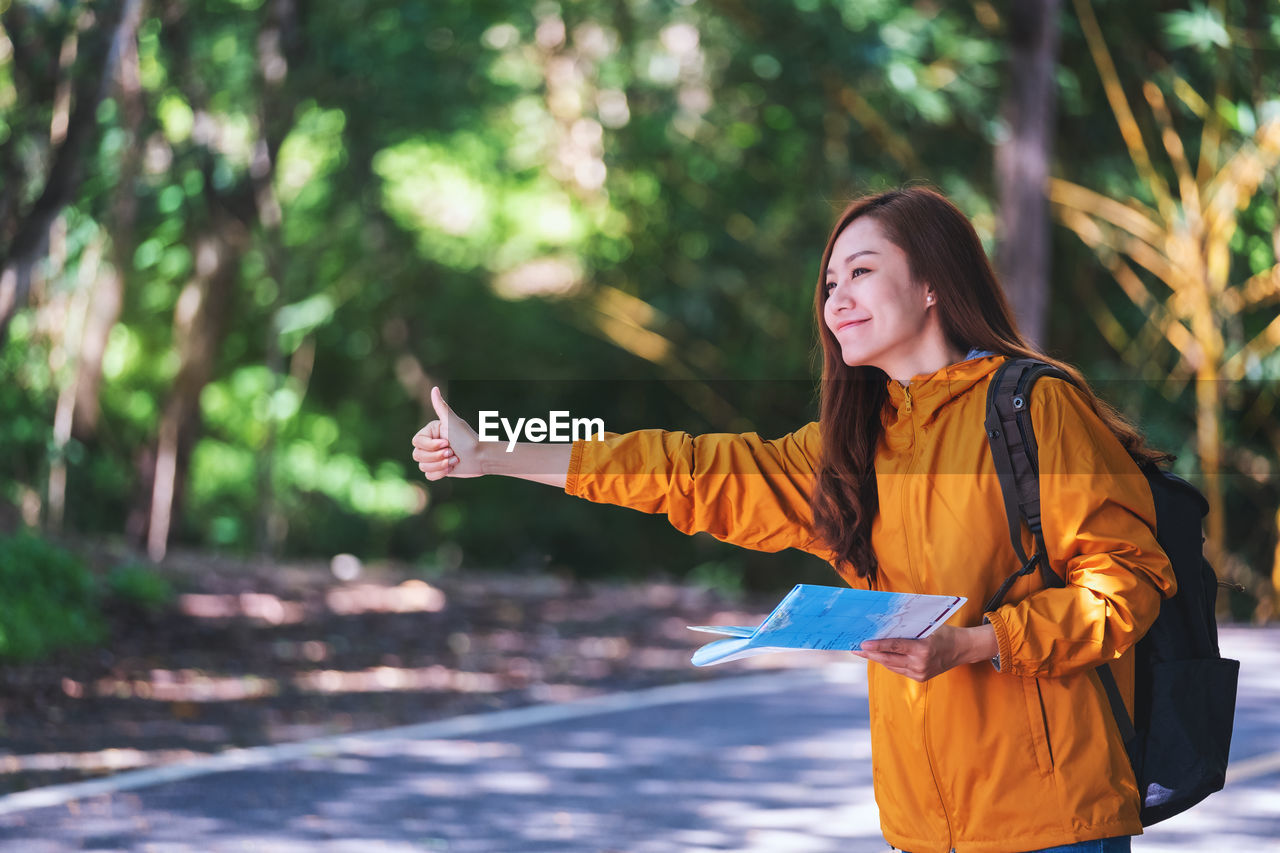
(930, 300)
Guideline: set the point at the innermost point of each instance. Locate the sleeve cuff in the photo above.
(1003, 646)
(575, 465)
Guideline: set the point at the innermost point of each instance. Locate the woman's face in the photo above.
(878, 314)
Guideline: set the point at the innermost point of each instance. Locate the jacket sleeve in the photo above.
(739, 488)
(1099, 521)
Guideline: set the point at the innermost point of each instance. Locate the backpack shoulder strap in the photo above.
(1015, 454)
(1017, 463)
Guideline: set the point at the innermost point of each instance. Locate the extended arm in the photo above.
(448, 447)
(739, 488)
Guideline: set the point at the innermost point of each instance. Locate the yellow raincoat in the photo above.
(1017, 758)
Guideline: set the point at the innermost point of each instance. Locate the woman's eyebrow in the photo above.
(853, 257)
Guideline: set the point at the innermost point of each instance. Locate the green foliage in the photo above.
(27, 406)
(140, 586)
(722, 576)
(1217, 50)
(468, 191)
(49, 600)
(1200, 27)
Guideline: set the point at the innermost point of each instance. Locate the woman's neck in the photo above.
(927, 360)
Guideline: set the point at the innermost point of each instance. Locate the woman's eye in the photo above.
(854, 273)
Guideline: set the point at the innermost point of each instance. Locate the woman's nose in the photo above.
(838, 296)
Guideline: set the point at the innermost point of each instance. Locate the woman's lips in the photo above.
(851, 323)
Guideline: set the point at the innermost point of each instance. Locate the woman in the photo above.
(993, 734)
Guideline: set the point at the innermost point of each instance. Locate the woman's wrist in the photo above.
(541, 463)
(982, 643)
(484, 455)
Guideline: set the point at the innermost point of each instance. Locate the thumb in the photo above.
(443, 412)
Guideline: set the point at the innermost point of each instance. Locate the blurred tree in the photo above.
(1185, 294)
(203, 311)
(61, 93)
(295, 218)
(1023, 157)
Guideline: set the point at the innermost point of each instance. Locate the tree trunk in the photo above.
(203, 311)
(199, 325)
(117, 24)
(108, 287)
(278, 45)
(75, 323)
(1022, 162)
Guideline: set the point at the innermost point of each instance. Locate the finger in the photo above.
(442, 408)
(880, 657)
(891, 664)
(428, 434)
(421, 455)
(898, 664)
(435, 472)
(897, 647)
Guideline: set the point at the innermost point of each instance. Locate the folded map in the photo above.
(829, 617)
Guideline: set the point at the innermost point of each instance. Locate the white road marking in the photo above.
(479, 724)
(1251, 768)
(456, 727)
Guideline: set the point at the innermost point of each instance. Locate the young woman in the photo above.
(994, 733)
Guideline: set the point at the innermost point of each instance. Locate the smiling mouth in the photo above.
(850, 323)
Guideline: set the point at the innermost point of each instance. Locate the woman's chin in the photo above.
(856, 359)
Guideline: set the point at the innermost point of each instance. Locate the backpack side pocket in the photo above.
(1188, 734)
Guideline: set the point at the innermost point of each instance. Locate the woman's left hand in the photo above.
(940, 651)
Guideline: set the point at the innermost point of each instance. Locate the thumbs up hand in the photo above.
(446, 447)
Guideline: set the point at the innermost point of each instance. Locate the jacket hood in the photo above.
(915, 405)
(928, 391)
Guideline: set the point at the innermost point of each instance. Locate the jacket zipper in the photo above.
(924, 719)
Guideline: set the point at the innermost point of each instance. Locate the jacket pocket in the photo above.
(1038, 725)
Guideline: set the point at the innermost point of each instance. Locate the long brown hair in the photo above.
(942, 249)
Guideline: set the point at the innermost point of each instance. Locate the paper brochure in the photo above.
(829, 617)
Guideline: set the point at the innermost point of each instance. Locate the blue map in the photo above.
(829, 617)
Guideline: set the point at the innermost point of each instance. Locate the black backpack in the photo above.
(1184, 690)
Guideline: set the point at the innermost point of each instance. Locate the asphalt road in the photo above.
(776, 762)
